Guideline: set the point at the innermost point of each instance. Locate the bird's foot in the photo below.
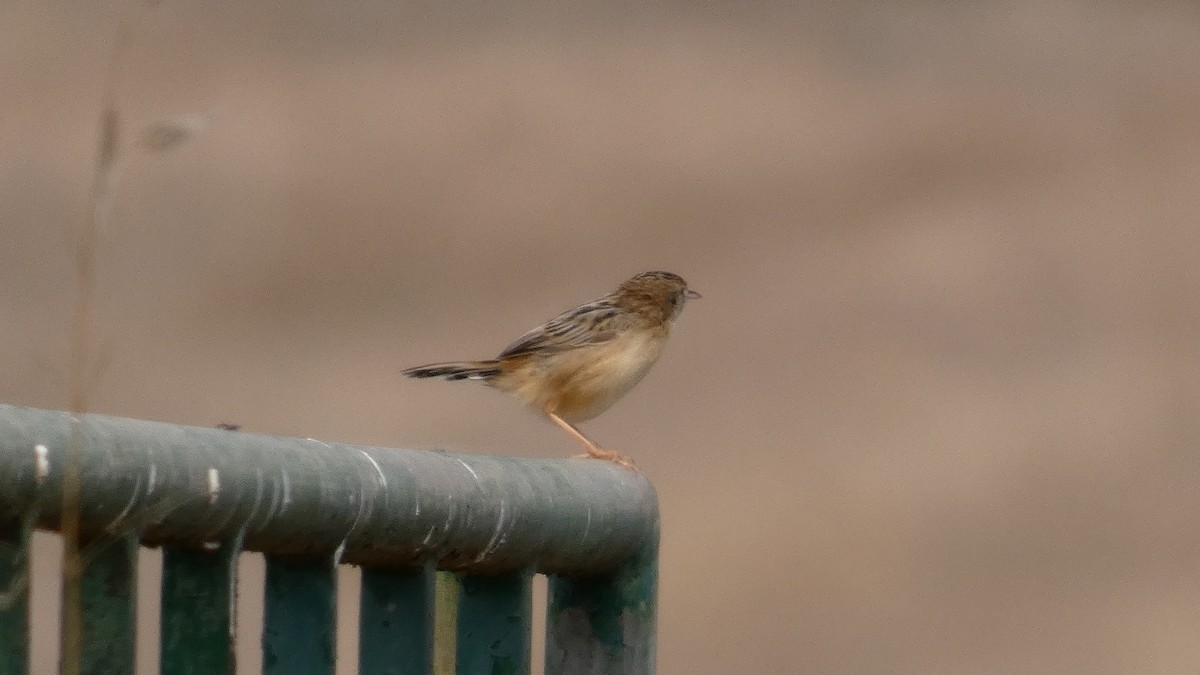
(609, 455)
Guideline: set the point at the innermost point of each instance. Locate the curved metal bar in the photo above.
(200, 487)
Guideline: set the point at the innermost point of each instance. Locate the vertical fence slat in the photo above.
(299, 617)
(14, 599)
(109, 596)
(494, 624)
(396, 622)
(197, 611)
(445, 622)
(605, 625)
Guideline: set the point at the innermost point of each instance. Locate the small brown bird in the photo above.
(576, 365)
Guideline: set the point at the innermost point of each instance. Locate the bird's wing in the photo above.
(591, 324)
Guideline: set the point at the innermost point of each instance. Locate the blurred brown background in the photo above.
(937, 412)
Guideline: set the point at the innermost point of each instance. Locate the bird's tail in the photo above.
(457, 370)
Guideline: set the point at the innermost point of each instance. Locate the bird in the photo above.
(576, 365)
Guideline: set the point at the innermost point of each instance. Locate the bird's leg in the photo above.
(594, 451)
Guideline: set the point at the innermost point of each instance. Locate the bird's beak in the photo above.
(692, 295)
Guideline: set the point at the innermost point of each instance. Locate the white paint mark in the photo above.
(258, 493)
(214, 485)
(211, 545)
(366, 506)
(428, 535)
(42, 457)
(468, 468)
(137, 487)
(378, 469)
(151, 479)
(492, 543)
(273, 506)
(588, 525)
(287, 492)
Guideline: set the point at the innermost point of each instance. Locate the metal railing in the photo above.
(206, 495)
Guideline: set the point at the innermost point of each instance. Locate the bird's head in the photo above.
(663, 292)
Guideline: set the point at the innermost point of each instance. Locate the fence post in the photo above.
(494, 623)
(197, 611)
(14, 597)
(605, 625)
(109, 597)
(298, 621)
(395, 626)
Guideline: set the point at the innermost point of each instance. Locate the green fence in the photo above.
(206, 495)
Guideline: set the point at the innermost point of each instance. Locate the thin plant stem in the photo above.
(81, 377)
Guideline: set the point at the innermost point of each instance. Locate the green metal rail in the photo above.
(205, 495)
